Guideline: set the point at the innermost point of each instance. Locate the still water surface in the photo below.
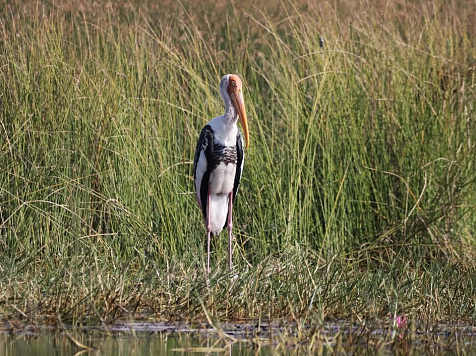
(155, 339)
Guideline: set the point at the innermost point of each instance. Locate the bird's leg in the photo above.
(209, 229)
(230, 226)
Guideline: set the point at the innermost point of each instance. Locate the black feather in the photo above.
(240, 155)
(205, 144)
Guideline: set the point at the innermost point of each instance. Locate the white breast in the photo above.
(224, 132)
(222, 179)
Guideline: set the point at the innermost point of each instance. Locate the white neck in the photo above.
(230, 114)
(225, 126)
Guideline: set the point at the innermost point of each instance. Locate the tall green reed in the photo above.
(362, 150)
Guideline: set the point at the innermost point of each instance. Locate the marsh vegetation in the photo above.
(358, 198)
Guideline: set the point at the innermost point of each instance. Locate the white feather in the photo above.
(218, 211)
(222, 179)
(224, 131)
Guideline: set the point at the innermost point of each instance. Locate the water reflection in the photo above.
(153, 343)
(113, 344)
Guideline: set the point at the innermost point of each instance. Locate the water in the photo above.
(140, 339)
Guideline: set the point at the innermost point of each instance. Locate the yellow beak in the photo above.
(239, 103)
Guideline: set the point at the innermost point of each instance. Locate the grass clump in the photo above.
(358, 198)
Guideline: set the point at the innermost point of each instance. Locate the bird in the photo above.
(218, 162)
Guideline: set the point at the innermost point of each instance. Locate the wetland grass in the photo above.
(358, 196)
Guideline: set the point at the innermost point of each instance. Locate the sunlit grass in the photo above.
(358, 197)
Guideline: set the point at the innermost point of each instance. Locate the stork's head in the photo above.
(231, 90)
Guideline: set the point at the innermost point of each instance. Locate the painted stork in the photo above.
(218, 162)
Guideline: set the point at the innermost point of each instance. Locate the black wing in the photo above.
(240, 156)
(204, 144)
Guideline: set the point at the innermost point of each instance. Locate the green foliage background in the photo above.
(359, 184)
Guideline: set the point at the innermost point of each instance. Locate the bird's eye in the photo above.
(233, 82)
